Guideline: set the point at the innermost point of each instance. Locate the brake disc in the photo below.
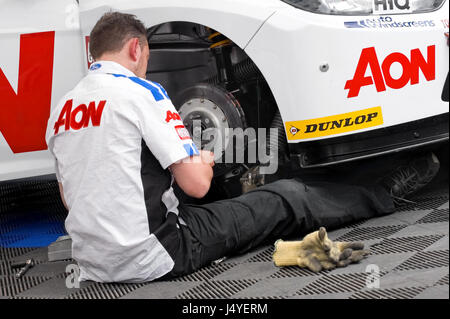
(207, 123)
(210, 112)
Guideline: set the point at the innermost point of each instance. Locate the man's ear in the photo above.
(135, 49)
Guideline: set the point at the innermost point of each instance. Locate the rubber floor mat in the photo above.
(409, 258)
(30, 215)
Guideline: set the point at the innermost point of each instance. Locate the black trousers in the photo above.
(284, 209)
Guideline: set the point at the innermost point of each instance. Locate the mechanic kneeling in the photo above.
(118, 153)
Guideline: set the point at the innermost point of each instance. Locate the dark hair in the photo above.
(113, 30)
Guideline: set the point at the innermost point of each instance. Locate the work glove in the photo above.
(317, 252)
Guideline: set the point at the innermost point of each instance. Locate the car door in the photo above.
(41, 58)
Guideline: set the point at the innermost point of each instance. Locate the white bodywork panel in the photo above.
(300, 42)
(237, 19)
(29, 17)
(287, 44)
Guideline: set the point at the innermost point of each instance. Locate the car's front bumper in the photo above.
(391, 139)
(344, 84)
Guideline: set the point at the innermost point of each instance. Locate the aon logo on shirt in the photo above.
(79, 117)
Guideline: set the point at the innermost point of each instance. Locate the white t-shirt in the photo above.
(96, 134)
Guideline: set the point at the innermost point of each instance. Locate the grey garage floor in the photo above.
(409, 249)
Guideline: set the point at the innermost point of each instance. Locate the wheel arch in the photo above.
(238, 21)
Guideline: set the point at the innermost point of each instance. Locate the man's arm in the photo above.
(166, 137)
(194, 176)
(58, 178)
(61, 192)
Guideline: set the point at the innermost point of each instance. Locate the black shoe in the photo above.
(408, 179)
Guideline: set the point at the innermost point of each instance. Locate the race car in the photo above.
(334, 80)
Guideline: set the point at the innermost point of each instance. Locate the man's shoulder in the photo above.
(122, 92)
(138, 86)
(104, 81)
(105, 86)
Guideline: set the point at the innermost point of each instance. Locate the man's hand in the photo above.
(194, 174)
(207, 157)
(317, 252)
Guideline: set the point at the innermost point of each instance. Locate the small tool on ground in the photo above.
(26, 265)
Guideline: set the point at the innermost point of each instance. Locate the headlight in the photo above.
(366, 7)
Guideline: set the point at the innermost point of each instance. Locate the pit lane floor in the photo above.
(409, 249)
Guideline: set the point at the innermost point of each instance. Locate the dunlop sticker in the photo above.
(336, 124)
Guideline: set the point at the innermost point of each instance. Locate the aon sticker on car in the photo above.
(381, 74)
(332, 125)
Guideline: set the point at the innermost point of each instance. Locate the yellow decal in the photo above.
(336, 124)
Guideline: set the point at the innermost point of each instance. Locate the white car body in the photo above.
(306, 58)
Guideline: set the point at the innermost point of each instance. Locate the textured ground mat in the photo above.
(409, 258)
(31, 214)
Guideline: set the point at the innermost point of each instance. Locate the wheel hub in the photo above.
(206, 122)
